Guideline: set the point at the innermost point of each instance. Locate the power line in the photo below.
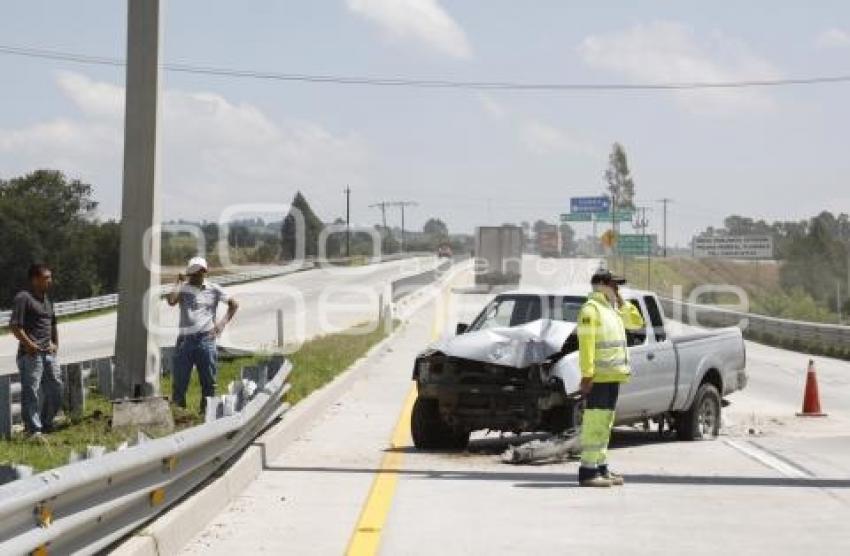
(426, 83)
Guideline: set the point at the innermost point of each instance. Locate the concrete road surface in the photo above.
(771, 484)
(313, 301)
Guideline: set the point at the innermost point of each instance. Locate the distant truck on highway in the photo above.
(548, 241)
(515, 369)
(498, 255)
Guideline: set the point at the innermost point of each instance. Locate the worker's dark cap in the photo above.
(604, 276)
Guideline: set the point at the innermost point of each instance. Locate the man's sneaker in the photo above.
(615, 478)
(591, 477)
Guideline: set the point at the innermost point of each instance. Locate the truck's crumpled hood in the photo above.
(513, 346)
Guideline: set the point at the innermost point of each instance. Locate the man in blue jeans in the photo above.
(199, 328)
(33, 323)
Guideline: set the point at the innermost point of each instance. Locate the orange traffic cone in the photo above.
(811, 398)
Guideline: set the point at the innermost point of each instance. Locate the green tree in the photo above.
(313, 226)
(436, 228)
(46, 217)
(621, 186)
(568, 240)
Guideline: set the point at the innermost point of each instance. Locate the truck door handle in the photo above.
(650, 356)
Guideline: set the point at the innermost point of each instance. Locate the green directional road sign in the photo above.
(576, 217)
(634, 244)
(622, 216)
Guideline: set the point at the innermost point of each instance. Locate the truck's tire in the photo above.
(428, 430)
(702, 420)
(564, 417)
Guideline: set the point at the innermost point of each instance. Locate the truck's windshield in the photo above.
(515, 310)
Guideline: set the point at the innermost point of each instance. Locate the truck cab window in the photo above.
(655, 318)
(527, 309)
(500, 312)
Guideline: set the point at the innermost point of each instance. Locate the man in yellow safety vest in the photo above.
(604, 363)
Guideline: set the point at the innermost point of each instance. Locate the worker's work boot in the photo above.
(615, 478)
(590, 477)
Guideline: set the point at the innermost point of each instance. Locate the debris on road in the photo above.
(555, 448)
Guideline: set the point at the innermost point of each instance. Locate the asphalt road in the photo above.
(313, 302)
(772, 483)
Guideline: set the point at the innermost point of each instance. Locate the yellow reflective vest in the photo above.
(603, 353)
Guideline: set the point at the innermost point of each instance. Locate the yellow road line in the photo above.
(367, 533)
(366, 538)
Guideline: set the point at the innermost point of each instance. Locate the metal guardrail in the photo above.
(409, 284)
(89, 304)
(88, 505)
(768, 329)
(78, 306)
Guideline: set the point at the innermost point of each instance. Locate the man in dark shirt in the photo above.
(33, 323)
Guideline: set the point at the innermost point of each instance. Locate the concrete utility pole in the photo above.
(137, 352)
(665, 201)
(347, 221)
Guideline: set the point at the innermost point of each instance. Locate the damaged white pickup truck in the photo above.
(515, 369)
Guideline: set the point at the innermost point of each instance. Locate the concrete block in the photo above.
(214, 409)
(150, 415)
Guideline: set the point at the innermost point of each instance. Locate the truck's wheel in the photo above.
(702, 420)
(428, 430)
(564, 417)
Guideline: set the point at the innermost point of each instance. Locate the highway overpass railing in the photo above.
(818, 338)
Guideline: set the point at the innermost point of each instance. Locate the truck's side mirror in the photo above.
(461, 328)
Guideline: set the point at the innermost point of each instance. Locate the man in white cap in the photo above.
(199, 328)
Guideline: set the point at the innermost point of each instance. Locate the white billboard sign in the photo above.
(734, 247)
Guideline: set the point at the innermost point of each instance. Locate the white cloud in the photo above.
(214, 152)
(544, 139)
(833, 38)
(422, 21)
(666, 52)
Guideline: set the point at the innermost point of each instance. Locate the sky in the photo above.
(468, 157)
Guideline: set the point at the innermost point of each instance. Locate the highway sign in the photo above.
(577, 217)
(634, 244)
(590, 204)
(621, 215)
(734, 247)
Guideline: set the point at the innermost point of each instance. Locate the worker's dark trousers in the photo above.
(597, 421)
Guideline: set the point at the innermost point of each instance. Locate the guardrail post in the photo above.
(104, 369)
(6, 406)
(280, 328)
(75, 391)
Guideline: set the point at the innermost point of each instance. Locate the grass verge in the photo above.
(316, 363)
